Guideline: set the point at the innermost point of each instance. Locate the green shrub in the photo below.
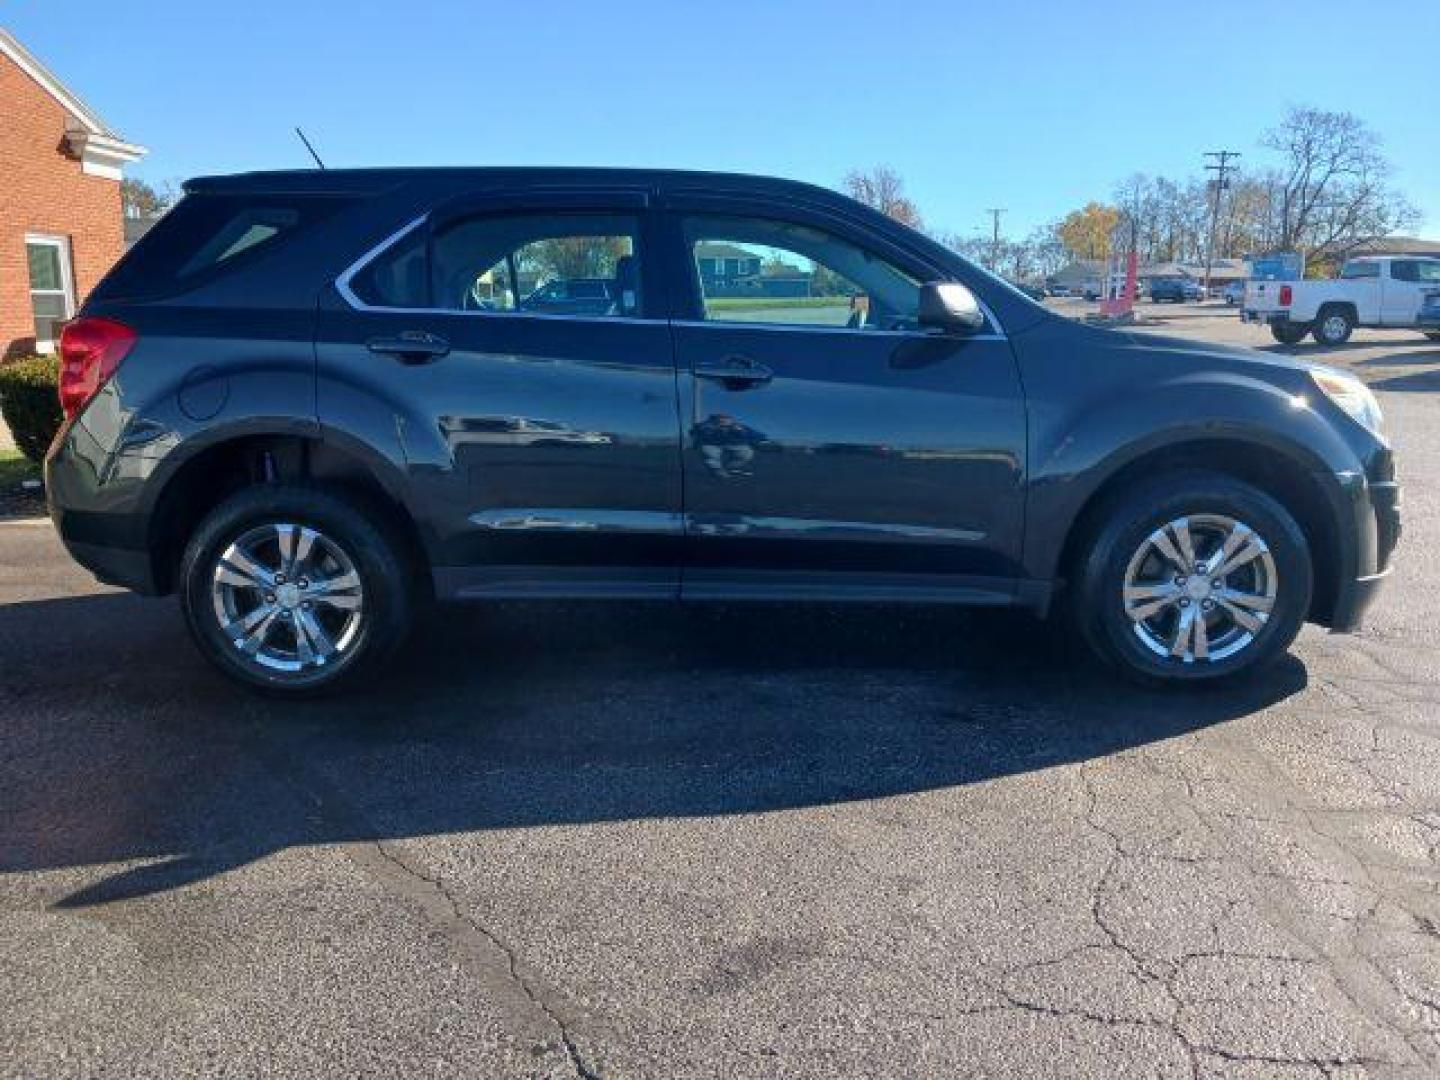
(30, 402)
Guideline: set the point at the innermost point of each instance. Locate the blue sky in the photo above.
(1036, 107)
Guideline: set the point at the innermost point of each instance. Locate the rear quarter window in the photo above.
(209, 235)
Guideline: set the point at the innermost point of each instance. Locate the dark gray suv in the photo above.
(308, 402)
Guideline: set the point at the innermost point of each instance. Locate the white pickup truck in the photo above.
(1373, 290)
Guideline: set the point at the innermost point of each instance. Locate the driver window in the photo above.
(546, 264)
(756, 270)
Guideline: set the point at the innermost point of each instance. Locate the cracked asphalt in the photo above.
(599, 841)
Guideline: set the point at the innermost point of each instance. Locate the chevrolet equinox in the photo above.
(308, 402)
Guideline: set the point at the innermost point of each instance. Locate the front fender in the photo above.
(1080, 440)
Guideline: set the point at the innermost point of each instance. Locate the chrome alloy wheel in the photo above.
(1334, 327)
(288, 598)
(1200, 588)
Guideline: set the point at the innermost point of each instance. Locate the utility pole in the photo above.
(995, 213)
(1221, 168)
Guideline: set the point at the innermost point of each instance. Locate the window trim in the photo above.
(343, 283)
(67, 282)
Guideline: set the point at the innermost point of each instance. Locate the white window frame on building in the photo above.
(66, 292)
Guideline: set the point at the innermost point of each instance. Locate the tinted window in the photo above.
(1360, 270)
(1416, 270)
(399, 277)
(549, 264)
(206, 235)
(757, 270)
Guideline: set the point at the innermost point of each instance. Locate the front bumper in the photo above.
(1376, 509)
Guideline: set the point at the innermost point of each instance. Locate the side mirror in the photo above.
(948, 305)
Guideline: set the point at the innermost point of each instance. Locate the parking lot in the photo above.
(563, 840)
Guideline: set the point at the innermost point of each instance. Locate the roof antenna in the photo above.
(309, 147)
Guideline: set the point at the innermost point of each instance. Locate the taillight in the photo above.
(90, 351)
(1287, 294)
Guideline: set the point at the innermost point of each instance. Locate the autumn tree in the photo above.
(882, 189)
(141, 200)
(576, 256)
(1089, 233)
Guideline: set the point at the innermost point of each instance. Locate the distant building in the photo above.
(724, 265)
(61, 227)
(1222, 271)
(728, 270)
(1400, 245)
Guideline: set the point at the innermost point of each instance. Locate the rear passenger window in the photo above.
(207, 234)
(584, 265)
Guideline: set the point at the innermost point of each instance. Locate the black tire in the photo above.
(1289, 333)
(1333, 325)
(1096, 605)
(353, 528)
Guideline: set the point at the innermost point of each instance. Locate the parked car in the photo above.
(309, 434)
(1174, 290)
(1429, 317)
(573, 296)
(1371, 291)
(1234, 293)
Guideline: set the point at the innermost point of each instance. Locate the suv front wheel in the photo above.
(1193, 577)
(294, 589)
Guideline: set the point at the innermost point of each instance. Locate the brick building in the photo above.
(61, 225)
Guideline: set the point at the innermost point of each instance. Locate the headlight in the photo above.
(1351, 395)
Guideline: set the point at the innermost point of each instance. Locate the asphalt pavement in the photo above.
(572, 840)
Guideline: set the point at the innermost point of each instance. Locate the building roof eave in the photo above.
(84, 116)
(102, 155)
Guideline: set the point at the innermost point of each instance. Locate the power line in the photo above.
(995, 213)
(1221, 169)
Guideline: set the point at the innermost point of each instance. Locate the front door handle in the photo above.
(736, 372)
(412, 346)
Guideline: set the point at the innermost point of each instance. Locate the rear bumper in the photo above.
(1271, 318)
(123, 567)
(99, 522)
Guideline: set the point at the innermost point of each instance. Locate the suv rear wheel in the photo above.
(1193, 577)
(1289, 333)
(294, 590)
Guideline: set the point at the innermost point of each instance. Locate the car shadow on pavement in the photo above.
(1412, 382)
(121, 746)
(1399, 352)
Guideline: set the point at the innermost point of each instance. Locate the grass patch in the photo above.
(15, 469)
(731, 303)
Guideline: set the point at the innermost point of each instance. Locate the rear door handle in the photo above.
(735, 372)
(411, 346)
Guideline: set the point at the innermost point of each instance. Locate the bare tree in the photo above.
(882, 189)
(1331, 188)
